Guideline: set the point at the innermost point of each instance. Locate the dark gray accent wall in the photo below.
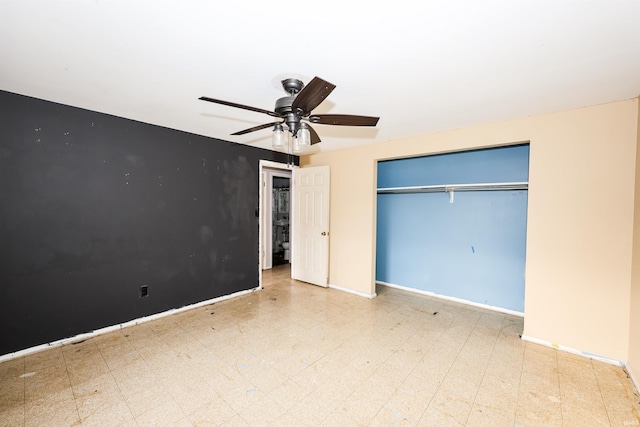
(93, 207)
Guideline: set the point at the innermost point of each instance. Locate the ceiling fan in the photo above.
(294, 111)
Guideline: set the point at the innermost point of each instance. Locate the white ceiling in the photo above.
(422, 66)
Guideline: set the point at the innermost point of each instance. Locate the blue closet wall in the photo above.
(474, 248)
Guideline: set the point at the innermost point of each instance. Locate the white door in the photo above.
(311, 225)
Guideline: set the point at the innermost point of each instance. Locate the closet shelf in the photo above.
(448, 188)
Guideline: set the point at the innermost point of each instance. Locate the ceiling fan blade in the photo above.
(233, 104)
(255, 128)
(314, 136)
(343, 120)
(312, 95)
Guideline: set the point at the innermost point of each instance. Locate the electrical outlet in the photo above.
(144, 291)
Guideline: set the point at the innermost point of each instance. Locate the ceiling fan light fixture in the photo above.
(279, 137)
(292, 109)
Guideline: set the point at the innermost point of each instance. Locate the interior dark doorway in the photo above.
(281, 197)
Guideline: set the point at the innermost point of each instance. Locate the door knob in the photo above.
(324, 233)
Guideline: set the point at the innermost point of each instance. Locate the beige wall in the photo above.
(634, 304)
(580, 217)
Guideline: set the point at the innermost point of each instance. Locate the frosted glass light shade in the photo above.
(297, 148)
(304, 136)
(279, 137)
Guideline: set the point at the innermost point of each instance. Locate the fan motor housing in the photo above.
(283, 105)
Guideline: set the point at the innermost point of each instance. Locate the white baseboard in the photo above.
(82, 337)
(351, 291)
(454, 299)
(634, 379)
(573, 351)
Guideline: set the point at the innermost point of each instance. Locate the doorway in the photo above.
(275, 213)
(280, 214)
(308, 199)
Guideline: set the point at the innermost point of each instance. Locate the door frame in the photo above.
(266, 166)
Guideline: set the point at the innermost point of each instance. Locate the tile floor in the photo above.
(298, 355)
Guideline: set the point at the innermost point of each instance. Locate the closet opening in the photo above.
(454, 225)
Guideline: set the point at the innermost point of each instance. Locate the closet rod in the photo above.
(492, 186)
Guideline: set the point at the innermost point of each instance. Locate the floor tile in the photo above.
(58, 408)
(214, 413)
